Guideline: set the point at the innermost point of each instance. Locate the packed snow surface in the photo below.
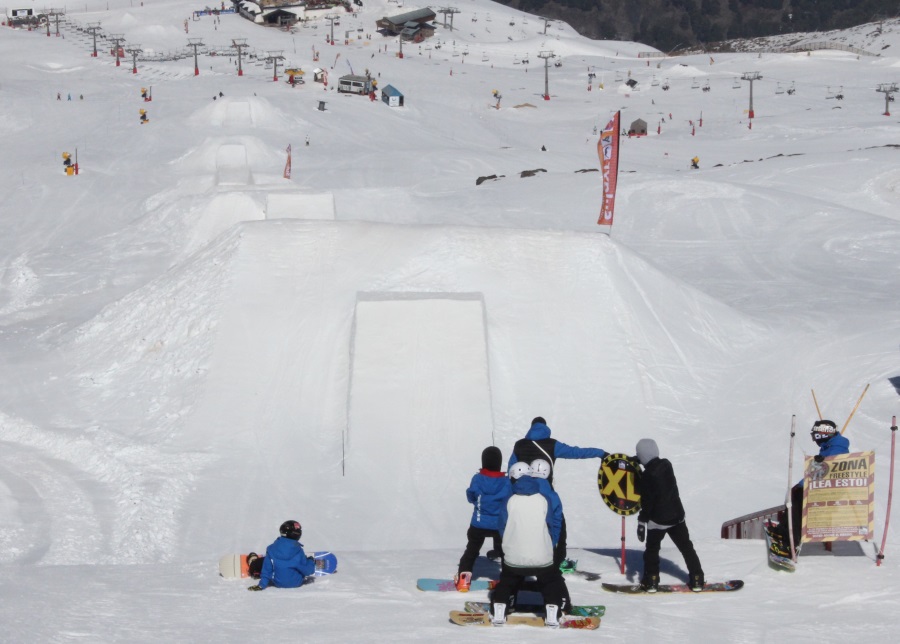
(194, 348)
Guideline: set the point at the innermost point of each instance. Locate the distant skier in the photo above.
(487, 492)
(695, 163)
(144, 118)
(530, 523)
(286, 564)
(662, 513)
(538, 444)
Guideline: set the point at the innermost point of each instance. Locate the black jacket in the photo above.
(660, 501)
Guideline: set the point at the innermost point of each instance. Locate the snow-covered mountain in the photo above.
(195, 348)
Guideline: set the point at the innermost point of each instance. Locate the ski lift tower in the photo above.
(546, 55)
(240, 44)
(117, 40)
(273, 57)
(92, 28)
(54, 13)
(134, 50)
(331, 17)
(195, 43)
(547, 21)
(448, 11)
(751, 76)
(888, 89)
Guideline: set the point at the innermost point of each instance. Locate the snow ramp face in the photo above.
(300, 205)
(419, 378)
(358, 369)
(232, 167)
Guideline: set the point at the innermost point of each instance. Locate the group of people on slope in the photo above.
(523, 515)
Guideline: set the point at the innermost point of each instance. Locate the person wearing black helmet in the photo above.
(286, 564)
(831, 442)
(487, 492)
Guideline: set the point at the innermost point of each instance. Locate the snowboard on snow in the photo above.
(584, 574)
(635, 589)
(778, 552)
(538, 609)
(448, 585)
(236, 566)
(464, 618)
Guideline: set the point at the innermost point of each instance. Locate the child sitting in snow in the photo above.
(285, 564)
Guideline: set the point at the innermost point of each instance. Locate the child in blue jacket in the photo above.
(285, 564)
(488, 492)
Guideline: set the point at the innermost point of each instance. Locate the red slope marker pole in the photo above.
(887, 518)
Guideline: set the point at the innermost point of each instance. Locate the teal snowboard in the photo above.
(448, 585)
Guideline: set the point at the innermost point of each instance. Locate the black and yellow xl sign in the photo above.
(619, 481)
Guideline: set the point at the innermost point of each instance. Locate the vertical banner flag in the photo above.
(608, 150)
(287, 166)
(839, 498)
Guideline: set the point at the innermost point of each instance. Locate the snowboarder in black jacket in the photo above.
(662, 513)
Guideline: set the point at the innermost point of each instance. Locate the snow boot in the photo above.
(499, 615)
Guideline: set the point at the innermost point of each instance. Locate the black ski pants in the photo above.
(549, 582)
(559, 552)
(473, 547)
(682, 539)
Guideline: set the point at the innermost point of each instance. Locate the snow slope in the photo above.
(186, 363)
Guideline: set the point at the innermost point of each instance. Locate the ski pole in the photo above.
(788, 502)
(855, 408)
(887, 517)
(816, 402)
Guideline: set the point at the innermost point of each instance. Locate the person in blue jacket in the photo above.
(487, 492)
(538, 444)
(285, 564)
(530, 522)
(831, 443)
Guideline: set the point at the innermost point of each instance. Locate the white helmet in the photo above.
(540, 469)
(519, 469)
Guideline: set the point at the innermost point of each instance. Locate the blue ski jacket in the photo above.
(488, 492)
(285, 565)
(837, 444)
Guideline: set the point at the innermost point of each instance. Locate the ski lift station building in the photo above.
(409, 25)
(392, 96)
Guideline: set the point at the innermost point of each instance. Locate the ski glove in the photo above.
(818, 458)
(642, 531)
(256, 587)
